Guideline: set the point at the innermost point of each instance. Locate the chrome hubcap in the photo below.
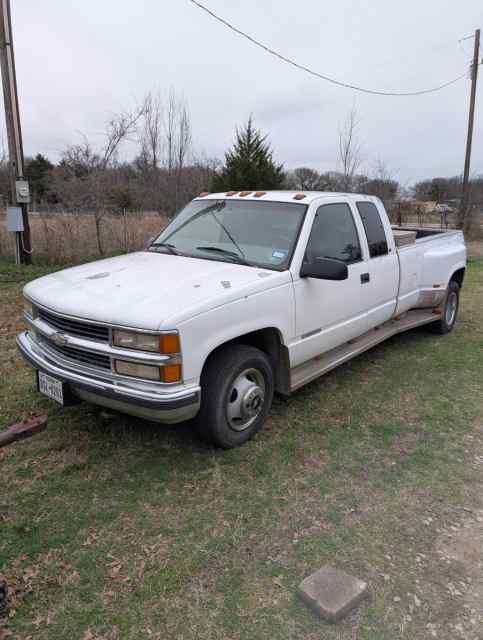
(245, 399)
(451, 307)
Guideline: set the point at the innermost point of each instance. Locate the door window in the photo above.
(376, 235)
(334, 235)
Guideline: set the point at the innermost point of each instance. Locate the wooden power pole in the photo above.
(465, 199)
(19, 187)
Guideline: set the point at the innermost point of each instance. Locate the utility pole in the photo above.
(19, 187)
(463, 213)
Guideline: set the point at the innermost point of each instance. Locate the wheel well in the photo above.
(269, 341)
(459, 276)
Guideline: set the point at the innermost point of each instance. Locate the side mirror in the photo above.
(325, 269)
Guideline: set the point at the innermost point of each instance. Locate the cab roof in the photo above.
(302, 197)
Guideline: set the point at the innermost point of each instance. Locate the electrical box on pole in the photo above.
(14, 219)
(22, 191)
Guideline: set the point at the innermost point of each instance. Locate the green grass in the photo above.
(126, 529)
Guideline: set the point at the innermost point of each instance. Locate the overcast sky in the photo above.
(79, 60)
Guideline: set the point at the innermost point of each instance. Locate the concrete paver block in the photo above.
(332, 593)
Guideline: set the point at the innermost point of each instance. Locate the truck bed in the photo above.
(425, 264)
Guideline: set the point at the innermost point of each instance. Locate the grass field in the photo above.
(112, 527)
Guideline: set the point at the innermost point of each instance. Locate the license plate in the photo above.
(51, 387)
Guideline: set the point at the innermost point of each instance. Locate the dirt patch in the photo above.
(461, 549)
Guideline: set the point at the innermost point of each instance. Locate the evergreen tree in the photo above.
(37, 172)
(249, 164)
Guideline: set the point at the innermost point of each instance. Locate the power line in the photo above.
(321, 76)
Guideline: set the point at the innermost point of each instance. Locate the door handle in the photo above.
(365, 277)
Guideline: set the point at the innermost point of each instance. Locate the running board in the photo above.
(312, 369)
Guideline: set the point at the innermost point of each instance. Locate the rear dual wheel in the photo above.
(449, 311)
(237, 392)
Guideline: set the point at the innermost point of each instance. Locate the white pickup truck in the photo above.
(242, 295)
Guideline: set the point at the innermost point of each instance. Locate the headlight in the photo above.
(139, 341)
(166, 343)
(28, 308)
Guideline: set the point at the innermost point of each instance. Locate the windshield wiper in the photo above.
(236, 257)
(167, 245)
(240, 252)
(212, 210)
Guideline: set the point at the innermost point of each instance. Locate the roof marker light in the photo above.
(259, 194)
(203, 194)
(299, 196)
(244, 193)
(231, 193)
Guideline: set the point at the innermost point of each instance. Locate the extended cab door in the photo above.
(329, 313)
(382, 283)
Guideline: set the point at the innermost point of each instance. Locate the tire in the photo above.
(450, 310)
(237, 389)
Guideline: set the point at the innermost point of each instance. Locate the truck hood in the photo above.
(149, 290)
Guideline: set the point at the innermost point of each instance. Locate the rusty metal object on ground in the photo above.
(22, 430)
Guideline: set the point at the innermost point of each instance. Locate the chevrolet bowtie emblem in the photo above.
(59, 339)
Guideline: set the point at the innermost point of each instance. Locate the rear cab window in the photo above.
(374, 228)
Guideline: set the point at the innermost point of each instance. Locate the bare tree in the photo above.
(183, 148)
(170, 118)
(152, 130)
(306, 179)
(350, 151)
(184, 136)
(119, 127)
(178, 139)
(382, 171)
(84, 179)
(380, 183)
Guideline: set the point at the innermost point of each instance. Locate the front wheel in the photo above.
(237, 391)
(450, 310)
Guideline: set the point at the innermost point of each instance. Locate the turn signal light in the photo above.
(169, 343)
(171, 373)
(137, 370)
(28, 308)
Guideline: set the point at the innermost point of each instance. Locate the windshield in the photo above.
(260, 234)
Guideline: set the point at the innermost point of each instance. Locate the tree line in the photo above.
(166, 171)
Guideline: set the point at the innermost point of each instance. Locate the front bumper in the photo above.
(163, 405)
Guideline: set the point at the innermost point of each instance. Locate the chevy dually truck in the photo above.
(242, 295)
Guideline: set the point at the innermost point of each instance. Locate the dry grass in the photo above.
(72, 237)
(475, 249)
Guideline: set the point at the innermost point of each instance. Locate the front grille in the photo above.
(81, 356)
(75, 327)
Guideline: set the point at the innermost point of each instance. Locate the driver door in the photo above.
(330, 313)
